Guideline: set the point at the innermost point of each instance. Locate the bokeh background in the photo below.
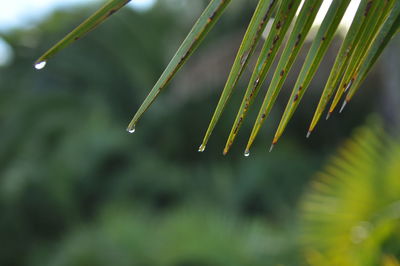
(77, 189)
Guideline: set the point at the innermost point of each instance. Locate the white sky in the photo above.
(348, 16)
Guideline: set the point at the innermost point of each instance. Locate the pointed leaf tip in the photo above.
(343, 106)
(202, 148)
(328, 115)
(88, 25)
(257, 24)
(201, 28)
(272, 147)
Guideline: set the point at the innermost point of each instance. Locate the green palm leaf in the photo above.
(256, 27)
(285, 14)
(203, 25)
(385, 34)
(292, 49)
(377, 16)
(317, 51)
(342, 59)
(92, 22)
(375, 23)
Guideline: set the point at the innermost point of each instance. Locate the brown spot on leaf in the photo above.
(278, 25)
(112, 11)
(290, 5)
(275, 39)
(212, 16)
(368, 8)
(298, 40)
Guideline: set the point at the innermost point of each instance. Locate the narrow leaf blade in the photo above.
(296, 40)
(386, 33)
(376, 17)
(201, 28)
(88, 25)
(342, 60)
(317, 51)
(282, 21)
(254, 31)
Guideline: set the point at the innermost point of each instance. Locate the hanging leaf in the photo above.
(92, 22)
(375, 24)
(317, 51)
(386, 33)
(282, 21)
(378, 14)
(292, 49)
(203, 25)
(346, 50)
(254, 31)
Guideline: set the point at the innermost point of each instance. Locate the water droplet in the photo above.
(308, 134)
(131, 130)
(246, 153)
(40, 65)
(202, 148)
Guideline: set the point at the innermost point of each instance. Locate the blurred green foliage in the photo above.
(188, 236)
(77, 189)
(351, 216)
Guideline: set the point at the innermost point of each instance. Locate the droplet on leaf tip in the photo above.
(40, 65)
(246, 153)
(202, 148)
(131, 130)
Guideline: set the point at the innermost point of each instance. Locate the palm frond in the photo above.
(341, 62)
(297, 37)
(385, 34)
(281, 24)
(256, 27)
(374, 25)
(318, 49)
(377, 15)
(351, 212)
